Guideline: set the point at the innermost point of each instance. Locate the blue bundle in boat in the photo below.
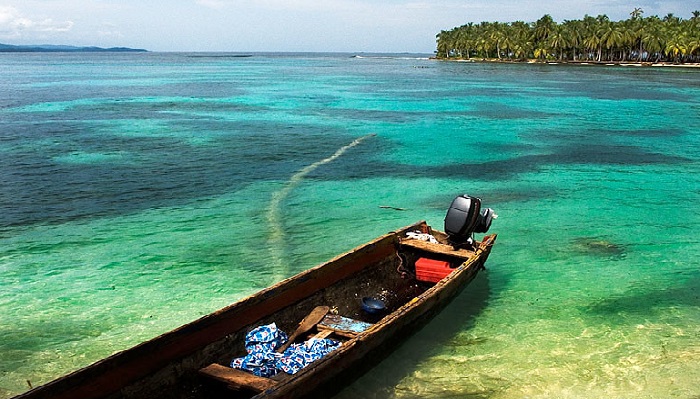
(263, 360)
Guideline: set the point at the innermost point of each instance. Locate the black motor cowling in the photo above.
(464, 218)
(486, 216)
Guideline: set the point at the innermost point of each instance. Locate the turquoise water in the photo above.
(140, 192)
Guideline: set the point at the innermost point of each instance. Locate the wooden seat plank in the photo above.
(442, 249)
(323, 334)
(343, 326)
(237, 379)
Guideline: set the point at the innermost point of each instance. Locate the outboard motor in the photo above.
(464, 218)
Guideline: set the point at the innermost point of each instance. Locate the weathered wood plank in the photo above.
(343, 326)
(441, 249)
(237, 379)
(323, 334)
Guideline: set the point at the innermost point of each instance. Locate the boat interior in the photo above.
(355, 303)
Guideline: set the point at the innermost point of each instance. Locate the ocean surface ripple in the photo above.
(139, 192)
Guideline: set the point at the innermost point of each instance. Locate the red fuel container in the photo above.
(432, 271)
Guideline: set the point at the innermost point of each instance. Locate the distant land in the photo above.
(50, 48)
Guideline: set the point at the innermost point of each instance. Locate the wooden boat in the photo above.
(191, 361)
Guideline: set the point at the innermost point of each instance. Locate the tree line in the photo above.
(595, 39)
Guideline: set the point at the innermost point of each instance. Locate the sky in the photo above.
(286, 25)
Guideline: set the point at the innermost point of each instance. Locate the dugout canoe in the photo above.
(192, 361)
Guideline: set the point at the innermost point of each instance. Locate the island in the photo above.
(50, 48)
(592, 40)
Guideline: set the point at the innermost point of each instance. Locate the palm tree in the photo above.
(676, 47)
(541, 53)
(508, 41)
(636, 13)
(445, 40)
(463, 42)
(543, 28)
(523, 38)
(497, 36)
(630, 38)
(611, 37)
(638, 28)
(694, 48)
(484, 47)
(573, 30)
(653, 38)
(589, 38)
(558, 41)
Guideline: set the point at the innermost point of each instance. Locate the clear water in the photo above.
(142, 191)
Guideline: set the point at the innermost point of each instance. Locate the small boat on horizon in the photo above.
(358, 306)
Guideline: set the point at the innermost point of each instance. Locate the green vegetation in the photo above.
(592, 39)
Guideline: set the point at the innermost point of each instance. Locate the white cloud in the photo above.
(13, 24)
(8, 16)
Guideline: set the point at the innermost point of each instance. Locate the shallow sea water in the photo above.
(142, 191)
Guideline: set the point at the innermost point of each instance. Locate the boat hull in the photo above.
(167, 366)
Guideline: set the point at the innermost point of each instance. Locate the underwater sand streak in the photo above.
(274, 210)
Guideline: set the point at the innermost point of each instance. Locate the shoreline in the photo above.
(569, 62)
